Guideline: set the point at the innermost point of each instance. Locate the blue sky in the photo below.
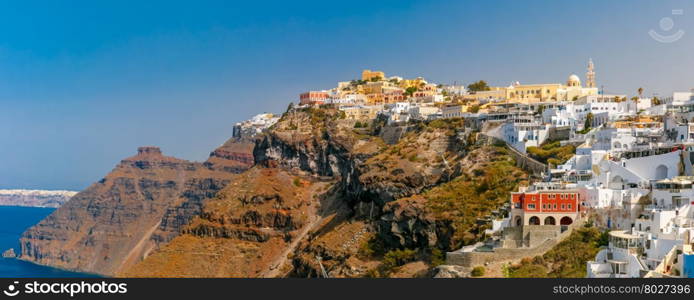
(83, 83)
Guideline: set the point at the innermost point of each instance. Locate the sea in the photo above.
(14, 221)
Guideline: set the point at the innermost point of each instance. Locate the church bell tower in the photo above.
(590, 75)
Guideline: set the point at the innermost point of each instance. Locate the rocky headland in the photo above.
(312, 196)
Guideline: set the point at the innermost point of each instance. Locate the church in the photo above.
(572, 90)
(535, 93)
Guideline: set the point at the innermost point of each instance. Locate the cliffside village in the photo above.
(631, 171)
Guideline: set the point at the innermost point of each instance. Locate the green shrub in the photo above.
(437, 257)
(477, 271)
(552, 152)
(371, 248)
(529, 271)
(396, 258)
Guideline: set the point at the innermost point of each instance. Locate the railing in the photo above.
(659, 207)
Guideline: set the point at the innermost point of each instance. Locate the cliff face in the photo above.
(371, 173)
(317, 142)
(406, 236)
(118, 220)
(246, 231)
(252, 226)
(235, 156)
(232, 157)
(268, 212)
(321, 195)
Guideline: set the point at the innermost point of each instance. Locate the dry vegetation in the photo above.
(486, 186)
(565, 260)
(552, 152)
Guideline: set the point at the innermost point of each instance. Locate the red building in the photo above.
(550, 207)
(313, 97)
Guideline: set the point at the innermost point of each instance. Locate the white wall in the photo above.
(646, 167)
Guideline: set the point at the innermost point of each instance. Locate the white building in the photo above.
(522, 135)
(254, 126)
(621, 258)
(347, 99)
(424, 112)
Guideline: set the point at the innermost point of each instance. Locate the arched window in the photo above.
(617, 183)
(534, 221)
(566, 221)
(550, 221)
(661, 172)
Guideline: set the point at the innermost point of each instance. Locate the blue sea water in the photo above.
(13, 221)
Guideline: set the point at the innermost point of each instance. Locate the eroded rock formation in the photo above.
(118, 220)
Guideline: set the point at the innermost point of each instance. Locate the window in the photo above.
(563, 207)
(531, 206)
(569, 206)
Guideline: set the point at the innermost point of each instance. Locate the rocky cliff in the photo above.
(246, 231)
(118, 220)
(375, 199)
(232, 157)
(404, 234)
(322, 198)
(371, 172)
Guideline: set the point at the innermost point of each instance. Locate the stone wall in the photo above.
(391, 134)
(559, 133)
(472, 259)
(528, 236)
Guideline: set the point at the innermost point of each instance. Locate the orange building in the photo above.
(545, 207)
(313, 97)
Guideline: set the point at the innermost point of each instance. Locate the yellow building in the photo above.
(417, 82)
(367, 75)
(361, 113)
(381, 87)
(495, 93)
(375, 98)
(453, 111)
(533, 93)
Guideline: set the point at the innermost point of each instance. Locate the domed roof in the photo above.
(574, 78)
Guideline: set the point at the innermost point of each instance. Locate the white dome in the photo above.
(574, 78)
